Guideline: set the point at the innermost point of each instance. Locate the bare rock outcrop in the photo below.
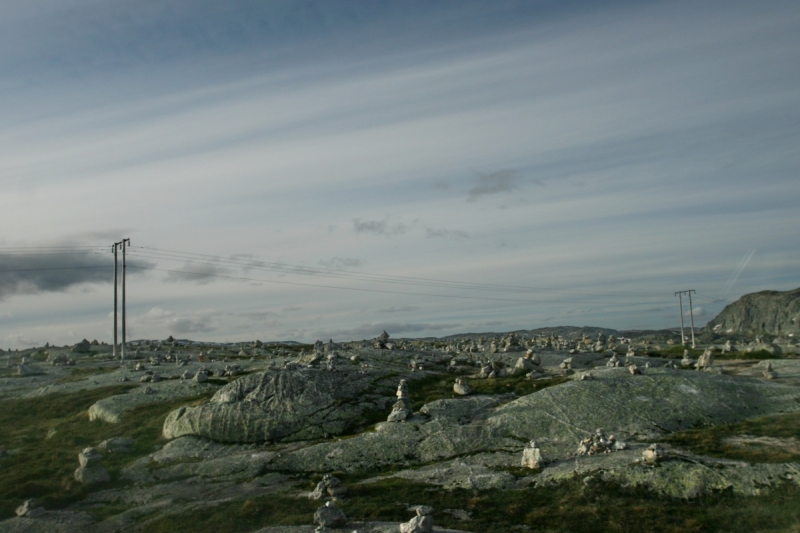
(286, 404)
(771, 312)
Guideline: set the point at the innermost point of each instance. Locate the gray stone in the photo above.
(117, 445)
(329, 516)
(92, 475)
(89, 457)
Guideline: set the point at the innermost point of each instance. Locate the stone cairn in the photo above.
(90, 470)
(380, 341)
(329, 516)
(532, 456)
(599, 443)
(652, 455)
(330, 486)
(706, 360)
(527, 365)
(30, 509)
(422, 523)
(461, 387)
(401, 410)
(768, 372)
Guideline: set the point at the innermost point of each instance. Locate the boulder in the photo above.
(284, 404)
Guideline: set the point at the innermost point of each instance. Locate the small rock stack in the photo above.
(422, 523)
(330, 486)
(91, 471)
(706, 360)
(532, 456)
(652, 455)
(599, 443)
(401, 410)
(461, 387)
(30, 509)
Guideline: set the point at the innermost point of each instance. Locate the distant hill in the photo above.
(766, 312)
(569, 332)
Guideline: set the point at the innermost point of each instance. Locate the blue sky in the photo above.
(596, 157)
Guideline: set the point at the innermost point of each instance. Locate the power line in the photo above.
(240, 278)
(55, 268)
(155, 253)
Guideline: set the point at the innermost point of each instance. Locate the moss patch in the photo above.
(236, 517)
(438, 387)
(82, 373)
(712, 441)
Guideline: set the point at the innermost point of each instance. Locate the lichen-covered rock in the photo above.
(278, 405)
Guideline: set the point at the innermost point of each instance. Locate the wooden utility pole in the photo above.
(114, 249)
(691, 314)
(124, 322)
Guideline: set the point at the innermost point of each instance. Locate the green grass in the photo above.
(573, 507)
(239, 516)
(710, 441)
(438, 387)
(82, 373)
(760, 355)
(43, 468)
(568, 507)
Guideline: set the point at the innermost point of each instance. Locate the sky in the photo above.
(302, 170)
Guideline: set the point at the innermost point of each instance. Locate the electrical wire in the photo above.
(188, 257)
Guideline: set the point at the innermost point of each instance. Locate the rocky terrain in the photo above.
(564, 429)
(766, 312)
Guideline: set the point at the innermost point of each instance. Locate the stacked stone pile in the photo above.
(599, 443)
(401, 410)
(90, 471)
